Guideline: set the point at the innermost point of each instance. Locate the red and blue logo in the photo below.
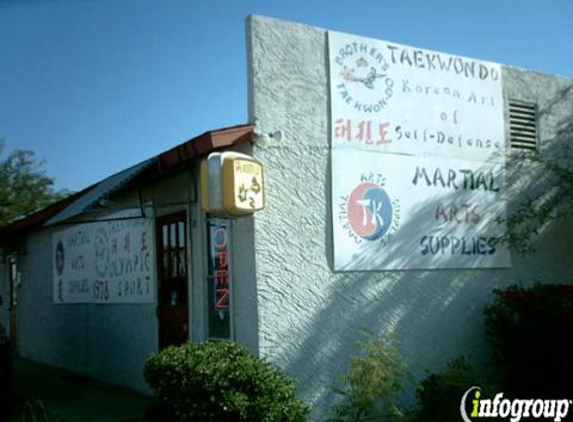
(369, 211)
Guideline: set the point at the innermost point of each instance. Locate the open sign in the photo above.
(219, 279)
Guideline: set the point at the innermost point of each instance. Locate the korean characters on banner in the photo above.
(219, 279)
(104, 262)
(418, 158)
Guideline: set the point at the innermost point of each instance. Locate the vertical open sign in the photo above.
(219, 280)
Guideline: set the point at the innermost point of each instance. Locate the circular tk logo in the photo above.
(59, 258)
(369, 211)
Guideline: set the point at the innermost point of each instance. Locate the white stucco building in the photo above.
(309, 270)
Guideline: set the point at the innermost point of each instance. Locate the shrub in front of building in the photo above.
(529, 330)
(439, 393)
(221, 382)
(375, 379)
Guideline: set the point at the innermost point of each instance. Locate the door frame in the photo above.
(183, 313)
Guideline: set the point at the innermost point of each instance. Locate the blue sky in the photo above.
(96, 86)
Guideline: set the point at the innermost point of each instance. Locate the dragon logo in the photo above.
(368, 77)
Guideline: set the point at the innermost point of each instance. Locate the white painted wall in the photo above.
(309, 315)
(107, 342)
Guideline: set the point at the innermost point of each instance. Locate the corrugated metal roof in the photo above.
(102, 189)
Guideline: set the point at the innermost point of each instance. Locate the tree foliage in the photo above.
(24, 186)
(521, 317)
(545, 178)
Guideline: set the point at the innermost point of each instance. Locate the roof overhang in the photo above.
(204, 144)
(173, 159)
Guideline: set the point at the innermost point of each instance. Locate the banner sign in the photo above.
(105, 262)
(418, 157)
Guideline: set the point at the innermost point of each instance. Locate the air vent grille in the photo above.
(522, 125)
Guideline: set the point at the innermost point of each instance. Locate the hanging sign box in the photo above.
(211, 184)
(231, 184)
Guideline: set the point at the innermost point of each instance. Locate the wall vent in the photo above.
(522, 125)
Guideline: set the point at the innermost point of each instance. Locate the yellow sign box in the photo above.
(242, 185)
(232, 184)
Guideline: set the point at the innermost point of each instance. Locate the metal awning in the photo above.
(103, 189)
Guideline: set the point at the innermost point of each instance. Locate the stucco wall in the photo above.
(309, 315)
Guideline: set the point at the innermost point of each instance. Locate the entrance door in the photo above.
(173, 297)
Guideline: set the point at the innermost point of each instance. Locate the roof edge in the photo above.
(169, 160)
(204, 144)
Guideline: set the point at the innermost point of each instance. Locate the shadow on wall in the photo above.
(437, 314)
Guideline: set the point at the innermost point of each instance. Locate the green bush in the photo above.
(439, 394)
(374, 380)
(529, 330)
(221, 382)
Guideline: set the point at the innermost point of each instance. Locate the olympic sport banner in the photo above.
(104, 262)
